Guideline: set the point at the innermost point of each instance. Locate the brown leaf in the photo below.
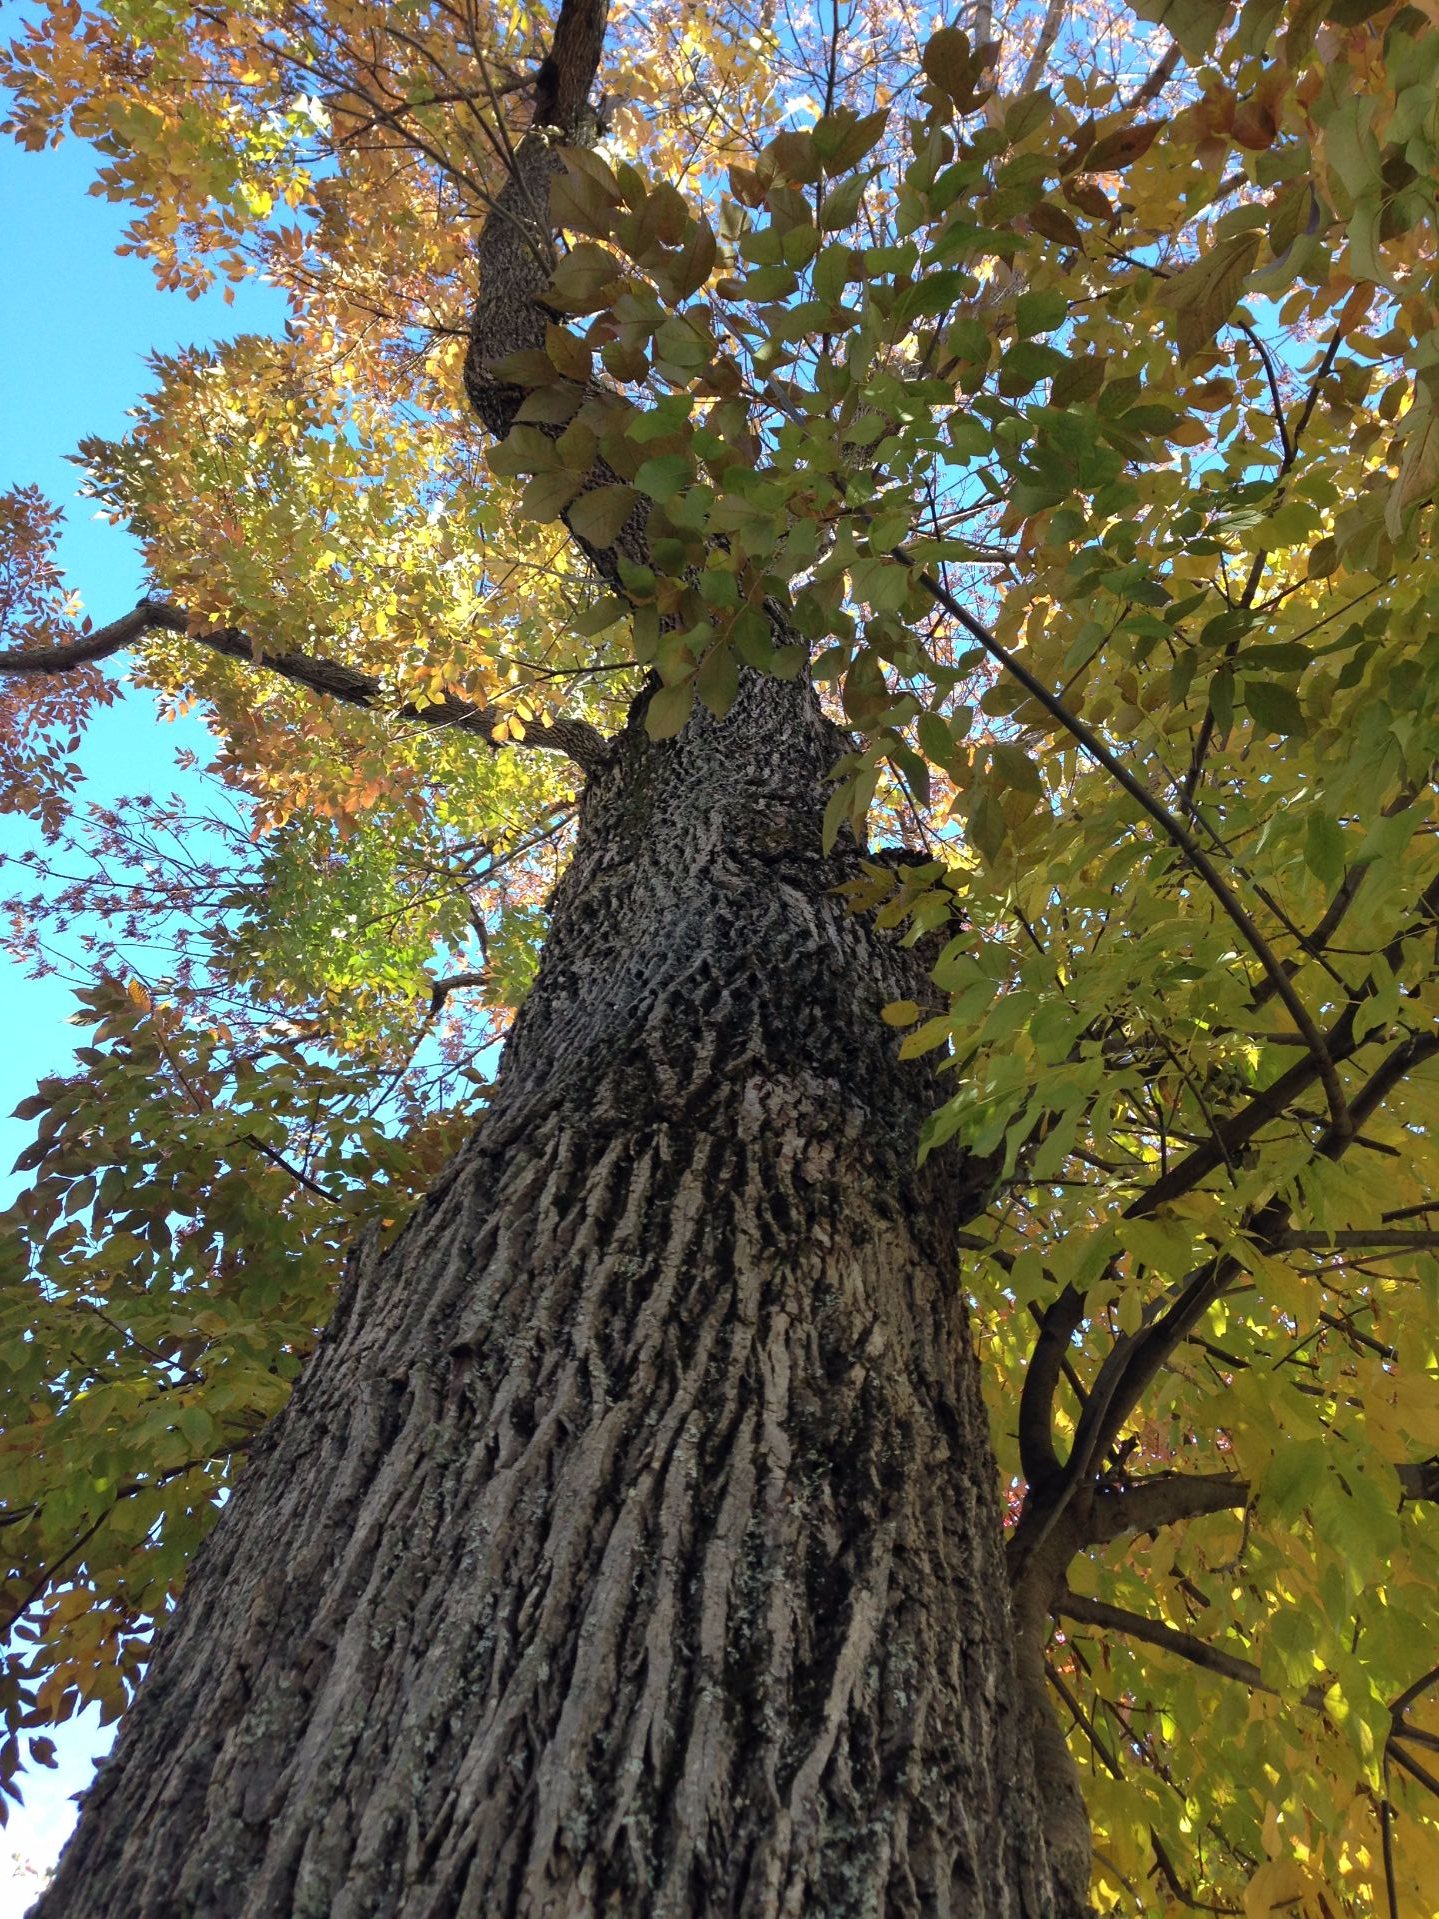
(1085, 195)
(794, 156)
(1255, 126)
(1121, 148)
(1055, 224)
(598, 516)
(567, 352)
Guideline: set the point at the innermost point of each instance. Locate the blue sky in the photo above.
(76, 322)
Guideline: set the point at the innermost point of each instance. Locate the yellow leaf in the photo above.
(900, 1012)
(1278, 1885)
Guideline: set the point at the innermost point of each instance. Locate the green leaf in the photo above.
(664, 476)
(935, 737)
(685, 275)
(1026, 364)
(717, 681)
(1273, 706)
(1324, 848)
(583, 279)
(1040, 312)
(1078, 380)
(794, 156)
(840, 206)
(881, 583)
(949, 63)
(833, 268)
(525, 449)
(1294, 1476)
(599, 515)
(1195, 24)
(548, 494)
(1323, 558)
(987, 827)
(866, 694)
(668, 709)
(580, 201)
(900, 1012)
(843, 138)
(1017, 768)
(682, 345)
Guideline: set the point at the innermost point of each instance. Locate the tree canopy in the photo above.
(1069, 376)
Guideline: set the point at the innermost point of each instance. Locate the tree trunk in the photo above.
(631, 1545)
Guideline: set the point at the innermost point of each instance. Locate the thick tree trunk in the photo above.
(631, 1546)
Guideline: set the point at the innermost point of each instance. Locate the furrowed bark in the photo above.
(631, 1545)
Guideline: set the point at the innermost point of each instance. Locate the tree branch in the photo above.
(1162, 1859)
(1420, 1481)
(1147, 1504)
(99, 645)
(1412, 1767)
(576, 738)
(1236, 1132)
(1379, 1240)
(1167, 1498)
(1135, 1358)
(1054, 16)
(1199, 1652)
(300, 1178)
(1153, 1632)
(441, 989)
(1038, 1459)
(1158, 79)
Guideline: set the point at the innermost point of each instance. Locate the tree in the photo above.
(993, 467)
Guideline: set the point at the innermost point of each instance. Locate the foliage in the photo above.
(1071, 386)
(40, 727)
(192, 1201)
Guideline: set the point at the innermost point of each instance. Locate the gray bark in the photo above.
(631, 1544)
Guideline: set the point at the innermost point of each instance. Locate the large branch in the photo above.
(1038, 1459)
(576, 738)
(515, 252)
(516, 259)
(1164, 1499)
(1147, 1504)
(44, 661)
(562, 91)
(1199, 1652)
